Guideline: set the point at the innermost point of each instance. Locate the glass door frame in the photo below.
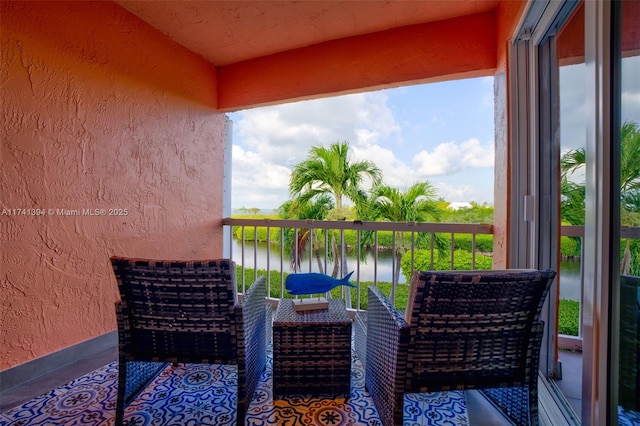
(534, 172)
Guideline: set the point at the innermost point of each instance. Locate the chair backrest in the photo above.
(183, 310)
(472, 329)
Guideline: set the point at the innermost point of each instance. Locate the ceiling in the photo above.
(227, 32)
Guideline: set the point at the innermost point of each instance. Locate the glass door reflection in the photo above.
(627, 168)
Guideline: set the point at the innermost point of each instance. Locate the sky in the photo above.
(439, 132)
(573, 107)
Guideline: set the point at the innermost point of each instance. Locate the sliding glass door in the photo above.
(548, 105)
(575, 105)
(626, 187)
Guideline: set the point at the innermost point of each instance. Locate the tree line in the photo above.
(327, 185)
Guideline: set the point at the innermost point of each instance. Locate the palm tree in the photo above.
(572, 202)
(316, 209)
(329, 171)
(416, 204)
(575, 160)
(630, 167)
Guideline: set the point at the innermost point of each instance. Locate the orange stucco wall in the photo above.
(99, 111)
(508, 16)
(444, 50)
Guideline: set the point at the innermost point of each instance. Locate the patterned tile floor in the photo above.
(195, 395)
(203, 395)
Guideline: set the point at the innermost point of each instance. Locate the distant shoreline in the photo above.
(251, 211)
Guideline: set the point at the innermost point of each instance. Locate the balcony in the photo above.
(245, 251)
(470, 408)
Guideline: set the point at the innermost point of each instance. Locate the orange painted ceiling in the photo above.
(227, 32)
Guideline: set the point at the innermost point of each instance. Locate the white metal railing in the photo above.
(272, 232)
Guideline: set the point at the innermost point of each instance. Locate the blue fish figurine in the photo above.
(313, 283)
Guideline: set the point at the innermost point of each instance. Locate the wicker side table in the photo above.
(311, 350)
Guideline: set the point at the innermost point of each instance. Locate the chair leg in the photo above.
(242, 412)
(243, 404)
(533, 404)
(122, 386)
(391, 411)
(398, 410)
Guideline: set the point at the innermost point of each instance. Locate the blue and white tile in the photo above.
(198, 395)
(436, 409)
(79, 404)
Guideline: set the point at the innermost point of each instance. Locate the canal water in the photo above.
(569, 274)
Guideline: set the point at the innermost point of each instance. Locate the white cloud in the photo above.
(449, 158)
(572, 106)
(284, 134)
(256, 185)
(631, 107)
(630, 89)
(463, 193)
(374, 115)
(269, 142)
(394, 171)
(449, 192)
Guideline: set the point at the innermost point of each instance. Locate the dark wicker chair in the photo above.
(465, 330)
(186, 312)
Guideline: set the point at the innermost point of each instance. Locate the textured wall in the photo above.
(502, 187)
(462, 47)
(108, 128)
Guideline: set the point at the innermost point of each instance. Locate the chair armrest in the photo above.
(253, 328)
(387, 345)
(256, 293)
(253, 313)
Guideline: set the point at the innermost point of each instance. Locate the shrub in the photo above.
(385, 239)
(570, 246)
(634, 255)
(569, 317)
(484, 243)
(462, 260)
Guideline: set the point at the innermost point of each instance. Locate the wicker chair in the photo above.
(462, 330)
(186, 312)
